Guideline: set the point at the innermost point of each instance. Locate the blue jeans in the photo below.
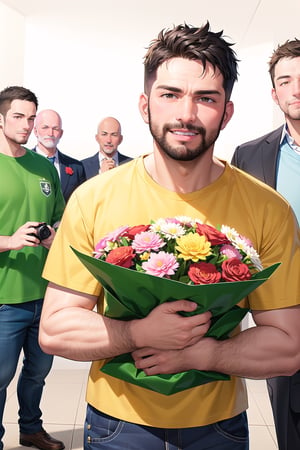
(105, 432)
(19, 327)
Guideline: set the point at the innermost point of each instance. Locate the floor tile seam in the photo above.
(260, 411)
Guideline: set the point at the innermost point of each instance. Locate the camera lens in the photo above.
(42, 231)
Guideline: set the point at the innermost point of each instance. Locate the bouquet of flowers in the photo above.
(181, 249)
(171, 259)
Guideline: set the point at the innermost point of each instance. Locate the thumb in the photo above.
(179, 305)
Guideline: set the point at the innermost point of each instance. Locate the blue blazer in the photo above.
(69, 181)
(91, 164)
(259, 157)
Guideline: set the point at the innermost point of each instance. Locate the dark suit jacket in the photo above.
(91, 164)
(259, 157)
(69, 181)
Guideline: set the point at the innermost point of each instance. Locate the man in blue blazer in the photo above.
(109, 137)
(275, 160)
(48, 131)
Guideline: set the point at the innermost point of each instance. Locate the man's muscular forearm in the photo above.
(259, 352)
(77, 332)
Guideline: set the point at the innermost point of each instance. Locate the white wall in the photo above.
(252, 100)
(86, 76)
(87, 63)
(12, 41)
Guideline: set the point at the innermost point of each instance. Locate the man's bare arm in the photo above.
(71, 328)
(272, 348)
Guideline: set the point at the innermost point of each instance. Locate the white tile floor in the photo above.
(63, 407)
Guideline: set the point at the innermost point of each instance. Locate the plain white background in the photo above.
(85, 60)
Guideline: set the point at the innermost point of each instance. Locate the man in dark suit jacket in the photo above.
(259, 157)
(275, 160)
(48, 131)
(109, 137)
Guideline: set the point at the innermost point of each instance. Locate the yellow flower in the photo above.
(193, 246)
(145, 256)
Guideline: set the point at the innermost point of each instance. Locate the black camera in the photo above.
(42, 231)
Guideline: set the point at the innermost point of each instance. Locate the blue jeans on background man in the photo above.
(19, 328)
(105, 432)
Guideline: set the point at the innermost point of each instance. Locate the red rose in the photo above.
(214, 236)
(121, 256)
(204, 273)
(69, 170)
(235, 270)
(132, 231)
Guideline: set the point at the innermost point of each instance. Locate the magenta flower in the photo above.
(160, 264)
(114, 235)
(172, 220)
(102, 245)
(147, 241)
(230, 252)
(246, 240)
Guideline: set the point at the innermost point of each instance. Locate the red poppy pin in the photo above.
(69, 170)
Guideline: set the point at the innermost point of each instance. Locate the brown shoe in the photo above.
(41, 440)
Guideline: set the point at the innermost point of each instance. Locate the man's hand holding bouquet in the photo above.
(172, 259)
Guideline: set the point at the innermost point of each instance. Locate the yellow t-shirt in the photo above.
(128, 196)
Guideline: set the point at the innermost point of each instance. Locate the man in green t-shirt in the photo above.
(31, 205)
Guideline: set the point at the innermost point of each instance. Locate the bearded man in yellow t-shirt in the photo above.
(189, 76)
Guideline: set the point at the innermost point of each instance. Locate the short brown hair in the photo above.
(290, 49)
(11, 93)
(199, 44)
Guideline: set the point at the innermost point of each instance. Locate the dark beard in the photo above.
(181, 152)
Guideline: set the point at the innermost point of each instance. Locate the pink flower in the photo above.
(114, 235)
(160, 264)
(147, 241)
(246, 240)
(110, 237)
(172, 220)
(230, 252)
(100, 248)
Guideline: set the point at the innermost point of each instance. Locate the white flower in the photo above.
(231, 233)
(240, 244)
(172, 230)
(243, 245)
(254, 256)
(156, 226)
(186, 220)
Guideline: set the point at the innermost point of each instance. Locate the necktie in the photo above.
(51, 159)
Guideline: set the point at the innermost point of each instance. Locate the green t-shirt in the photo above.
(29, 191)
